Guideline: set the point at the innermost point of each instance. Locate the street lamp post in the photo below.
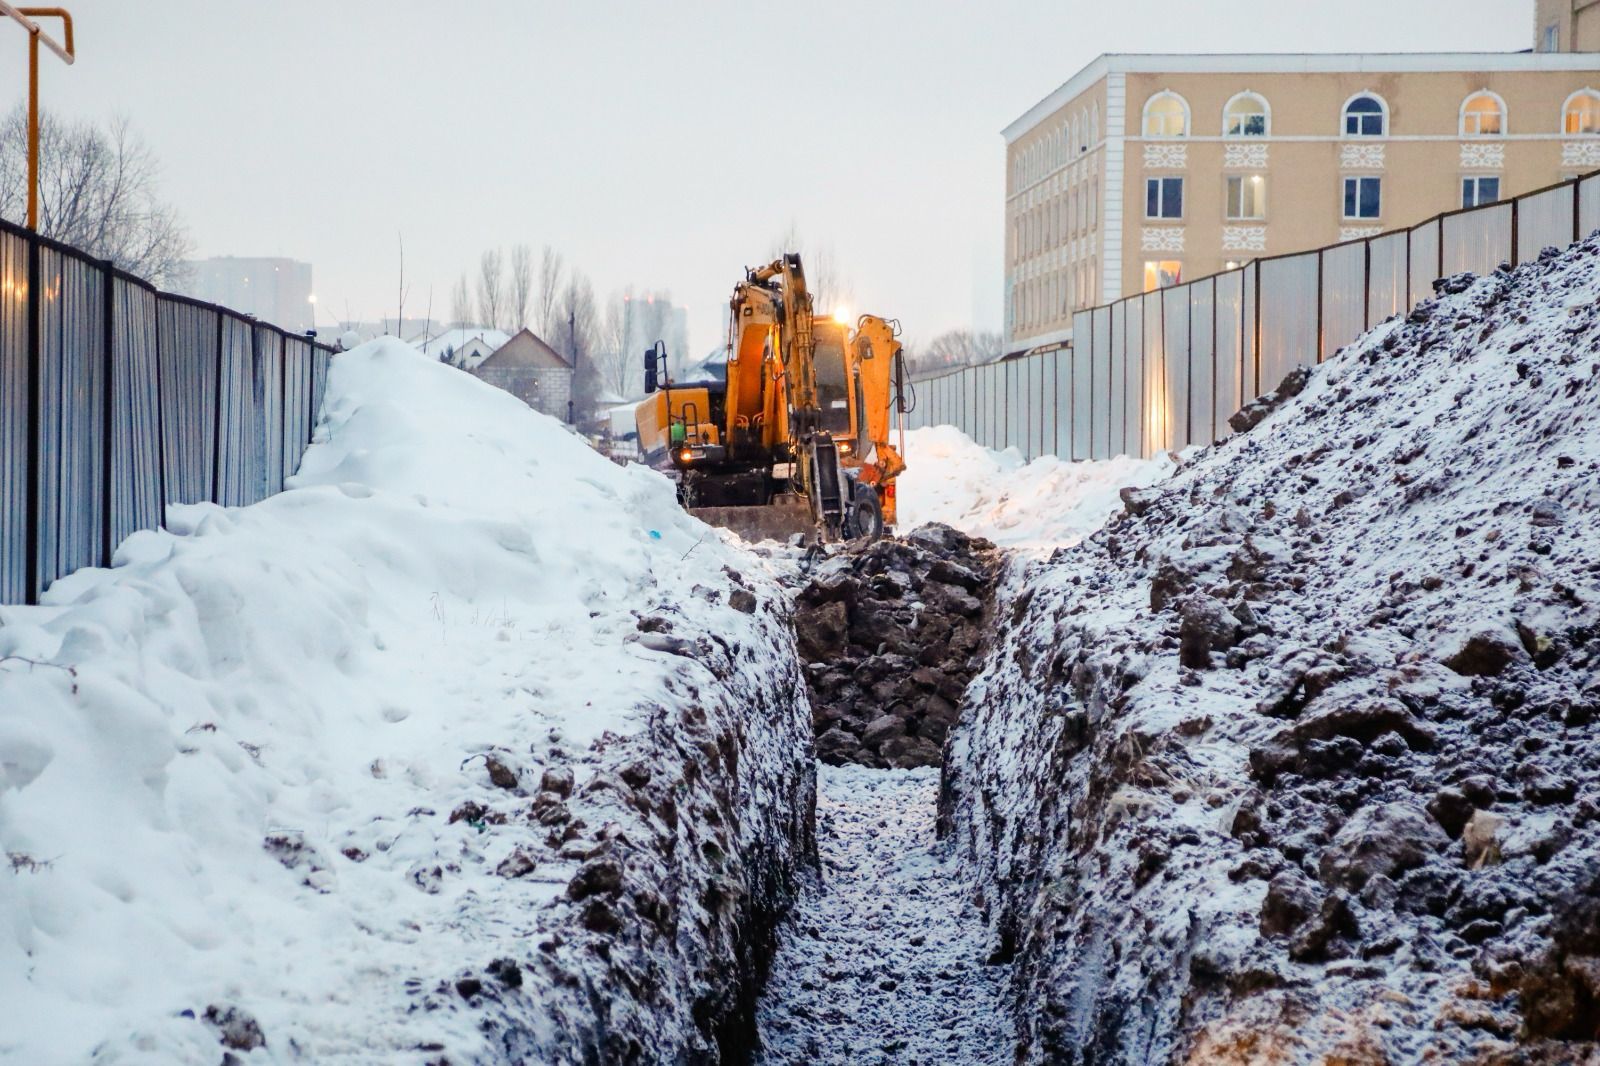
(24, 17)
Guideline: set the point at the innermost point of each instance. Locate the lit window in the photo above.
(1477, 191)
(1365, 116)
(1162, 274)
(1163, 198)
(1166, 115)
(1582, 113)
(1247, 198)
(1246, 115)
(1483, 115)
(1363, 197)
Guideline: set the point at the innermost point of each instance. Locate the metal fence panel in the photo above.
(1201, 398)
(1229, 355)
(1288, 316)
(1545, 220)
(1250, 356)
(1088, 373)
(269, 360)
(71, 478)
(136, 488)
(1344, 296)
(296, 403)
(1386, 277)
(1061, 443)
(1588, 206)
(1117, 375)
(1170, 418)
(16, 427)
(187, 337)
(1136, 368)
(1107, 323)
(1424, 261)
(969, 401)
(239, 417)
(1013, 405)
(1477, 241)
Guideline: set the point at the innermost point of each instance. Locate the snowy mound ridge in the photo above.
(471, 746)
(1030, 507)
(1299, 760)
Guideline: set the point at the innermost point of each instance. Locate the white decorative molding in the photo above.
(1581, 153)
(1244, 238)
(1483, 156)
(1165, 156)
(1244, 156)
(1162, 239)
(1356, 233)
(1361, 157)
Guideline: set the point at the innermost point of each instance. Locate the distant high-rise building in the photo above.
(274, 290)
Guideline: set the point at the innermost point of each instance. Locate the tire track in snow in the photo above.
(883, 960)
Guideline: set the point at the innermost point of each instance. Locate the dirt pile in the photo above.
(1302, 755)
(890, 633)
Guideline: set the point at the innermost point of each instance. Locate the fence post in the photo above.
(1515, 257)
(35, 380)
(108, 409)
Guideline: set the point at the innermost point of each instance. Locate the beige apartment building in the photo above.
(1142, 171)
(1567, 25)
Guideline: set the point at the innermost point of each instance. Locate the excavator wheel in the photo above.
(866, 514)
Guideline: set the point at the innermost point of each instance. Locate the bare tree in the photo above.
(577, 336)
(521, 297)
(97, 192)
(551, 270)
(956, 348)
(491, 288)
(461, 302)
(614, 355)
(400, 316)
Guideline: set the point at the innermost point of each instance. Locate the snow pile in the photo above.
(472, 745)
(1031, 507)
(884, 960)
(1300, 760)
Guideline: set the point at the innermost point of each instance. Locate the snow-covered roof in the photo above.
(453, 340)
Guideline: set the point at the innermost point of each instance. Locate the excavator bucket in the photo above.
(778, 520)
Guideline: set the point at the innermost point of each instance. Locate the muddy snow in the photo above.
(886, 958)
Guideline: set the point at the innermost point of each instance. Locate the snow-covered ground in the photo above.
(885, 960)
(1030, 507)
(1299, 760)
(466, 693)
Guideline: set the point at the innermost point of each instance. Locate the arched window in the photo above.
(1247, 115)
(1094, 125)
(1166, 114)
(1366, 115)
(1483, 114)
(1076, 141)
(1581, 113)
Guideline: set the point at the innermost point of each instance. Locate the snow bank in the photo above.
(1300, 759)
(1031, 507)
(466, 694)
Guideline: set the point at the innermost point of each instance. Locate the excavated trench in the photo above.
(885, 957)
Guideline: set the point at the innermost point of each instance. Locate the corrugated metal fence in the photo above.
(116, 399)
(1165, 369)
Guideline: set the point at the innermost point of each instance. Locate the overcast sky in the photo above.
(662, 144)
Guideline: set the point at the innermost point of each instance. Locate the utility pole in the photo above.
(24, 17)
(572, 354)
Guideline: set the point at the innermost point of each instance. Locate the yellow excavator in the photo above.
(795, 438)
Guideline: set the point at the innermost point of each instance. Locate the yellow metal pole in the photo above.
(33, 130)
(21, 15)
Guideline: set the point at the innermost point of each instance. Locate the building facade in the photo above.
(1567, 25)
(532, 371)
(274, 290)
(1145, 170)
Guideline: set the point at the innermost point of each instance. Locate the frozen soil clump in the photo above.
(1299, 760)
(890, 633)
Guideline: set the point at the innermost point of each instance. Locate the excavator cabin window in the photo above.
(833, 387)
